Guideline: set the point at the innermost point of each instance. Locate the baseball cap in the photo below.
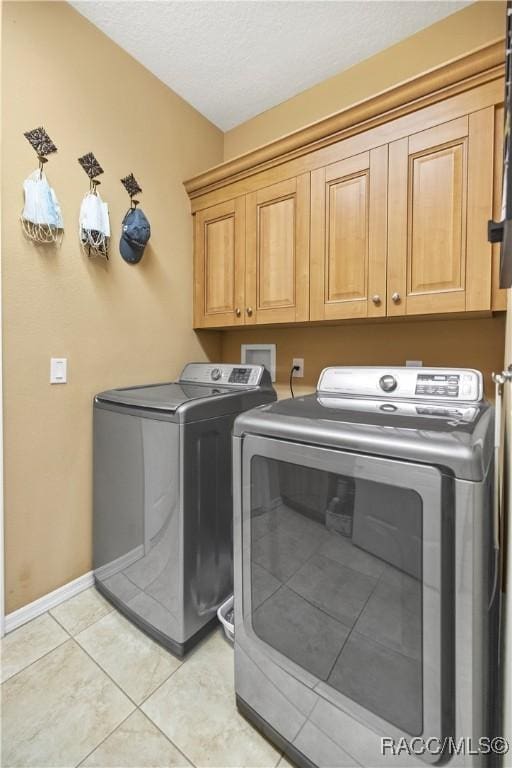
(135, 234)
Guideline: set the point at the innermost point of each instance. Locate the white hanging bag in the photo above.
(41, 217)
(94, 225)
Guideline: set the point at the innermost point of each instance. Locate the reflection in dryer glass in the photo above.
(336, 583)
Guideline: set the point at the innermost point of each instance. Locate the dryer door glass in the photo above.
(338, 584)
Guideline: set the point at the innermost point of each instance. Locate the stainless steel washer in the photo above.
(163, 497)
(366, 594)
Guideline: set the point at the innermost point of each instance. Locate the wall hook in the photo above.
(42, 144)
(92, 168)
(131, 185)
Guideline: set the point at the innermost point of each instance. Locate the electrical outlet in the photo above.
(299, 361)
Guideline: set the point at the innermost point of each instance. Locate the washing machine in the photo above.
(162, 521)
(366, 569)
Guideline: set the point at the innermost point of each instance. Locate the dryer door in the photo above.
(347, 585)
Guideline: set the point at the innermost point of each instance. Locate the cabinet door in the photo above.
(348, 237)
(277, 253)
(440, 199)
(219, 265)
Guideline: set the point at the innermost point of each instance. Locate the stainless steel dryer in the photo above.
(163, 497)
(366, 586)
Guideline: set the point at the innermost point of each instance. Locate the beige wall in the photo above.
(470, 28)
(467, 342)
(117, 324)
(476, 343)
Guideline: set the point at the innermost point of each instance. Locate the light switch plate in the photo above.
(58, 370)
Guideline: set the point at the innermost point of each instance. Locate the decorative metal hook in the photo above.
(42, 144)
(92, 168)
(42, 160)
(131, 185)
(92, 186)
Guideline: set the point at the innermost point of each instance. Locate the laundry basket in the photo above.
(226, 615)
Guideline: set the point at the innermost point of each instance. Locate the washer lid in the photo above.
(448, 435)
(162, 397)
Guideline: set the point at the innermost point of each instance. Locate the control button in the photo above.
(388, 407)
(388, 383)
(216, 374)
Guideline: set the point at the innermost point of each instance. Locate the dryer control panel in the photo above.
(223, 373)
(452, 384)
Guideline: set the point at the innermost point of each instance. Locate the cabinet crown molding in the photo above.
(456, 76)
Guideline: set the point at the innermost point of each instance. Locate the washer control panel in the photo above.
(441, 385)
(451, 384)
(222, 373)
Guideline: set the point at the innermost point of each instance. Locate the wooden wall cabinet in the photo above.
(277, 252)
(219, 265)
(440, 199)
(379, 211)
(252, 258)
(348, 237)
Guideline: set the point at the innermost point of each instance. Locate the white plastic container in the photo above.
(226, 618)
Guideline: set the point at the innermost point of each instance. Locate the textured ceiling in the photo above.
(233, 60)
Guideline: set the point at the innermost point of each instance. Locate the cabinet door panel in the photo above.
(437, 213)
(276, 254)
(440, 183)
(348, 237)
(277, 263)
(219, 263)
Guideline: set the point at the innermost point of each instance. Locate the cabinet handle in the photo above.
(376, 299)
(238, 311)
(395, 297)
(249, 311)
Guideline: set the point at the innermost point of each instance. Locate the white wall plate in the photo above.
(260, 354)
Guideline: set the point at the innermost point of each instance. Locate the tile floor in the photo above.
(81, 686)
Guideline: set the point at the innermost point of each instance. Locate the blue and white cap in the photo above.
(135, 234)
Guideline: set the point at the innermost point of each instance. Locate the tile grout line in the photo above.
(137, 706)
(44, 655)
(188, 759)
(49, 612)
(192, 652)
(104, 740)
(96, 664)
(58, 622)
(160, 685)
(72, 638)
(113, 680)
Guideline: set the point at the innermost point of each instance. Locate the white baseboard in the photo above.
(43, 604)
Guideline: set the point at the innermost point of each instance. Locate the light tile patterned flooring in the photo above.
(81, 686)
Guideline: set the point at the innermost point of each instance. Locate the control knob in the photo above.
(216, 374)
(388, 383)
